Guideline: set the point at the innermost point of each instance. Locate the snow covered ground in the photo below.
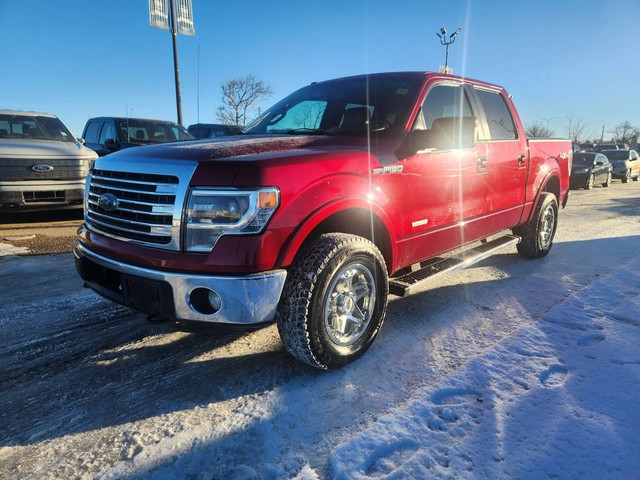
(511, 369)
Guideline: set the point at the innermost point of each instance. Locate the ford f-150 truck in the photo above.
(344, 192)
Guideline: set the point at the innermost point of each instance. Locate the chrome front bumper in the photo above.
(243, 300)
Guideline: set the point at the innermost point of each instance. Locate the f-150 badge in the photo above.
(388, 169)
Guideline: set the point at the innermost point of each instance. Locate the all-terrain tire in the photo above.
(537, 234)
(334, 300)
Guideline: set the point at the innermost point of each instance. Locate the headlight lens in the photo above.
(212, 213)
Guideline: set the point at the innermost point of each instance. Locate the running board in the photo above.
(406, 284)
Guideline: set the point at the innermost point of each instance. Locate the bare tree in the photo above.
(577, 129)
(624, 132)
(538, 130)
(238, 97)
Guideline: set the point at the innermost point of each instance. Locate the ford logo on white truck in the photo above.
(42, 168)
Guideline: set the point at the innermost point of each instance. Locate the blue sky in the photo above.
(83, 58)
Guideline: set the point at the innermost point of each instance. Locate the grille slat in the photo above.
(145, 205)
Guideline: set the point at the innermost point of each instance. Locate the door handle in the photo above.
(522, 160)
(482, 164)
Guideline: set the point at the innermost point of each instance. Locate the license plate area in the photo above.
(147, 295)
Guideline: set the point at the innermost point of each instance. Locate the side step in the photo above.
(406, 284)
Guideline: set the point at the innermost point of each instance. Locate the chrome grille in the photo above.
(145, 207)
(19, 169)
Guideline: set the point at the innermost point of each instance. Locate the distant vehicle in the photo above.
(42, 165)
(605, 146)
(105, 135)
(590, 168)
(626, 164)
(212, 130)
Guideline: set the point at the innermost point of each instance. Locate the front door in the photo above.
(446, 189)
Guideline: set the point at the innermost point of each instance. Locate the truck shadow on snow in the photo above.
(170, 372)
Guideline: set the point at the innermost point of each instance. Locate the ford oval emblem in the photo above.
(108, 202)
(42, 168)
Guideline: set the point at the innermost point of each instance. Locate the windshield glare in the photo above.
(354, 106)
(34, 128)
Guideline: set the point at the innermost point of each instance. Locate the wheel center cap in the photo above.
(346, 304)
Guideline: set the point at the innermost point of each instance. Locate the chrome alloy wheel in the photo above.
(547, 226)
(349, 304)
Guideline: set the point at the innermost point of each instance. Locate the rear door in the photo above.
(507, 159)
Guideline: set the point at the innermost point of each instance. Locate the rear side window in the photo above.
(93, 130)
(501, 125)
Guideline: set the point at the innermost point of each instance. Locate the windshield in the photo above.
(583, 159)
(617, 154)
(148, 131)
(34, 127)
(351, 106)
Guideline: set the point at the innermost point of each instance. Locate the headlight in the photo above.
(212, 213)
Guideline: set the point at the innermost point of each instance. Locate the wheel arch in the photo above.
(349, 218)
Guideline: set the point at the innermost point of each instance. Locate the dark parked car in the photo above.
(109, 134)
(590, 168)
(626, 164)
(212, 130)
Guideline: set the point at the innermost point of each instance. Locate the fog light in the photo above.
(215, 301)
(205, 301)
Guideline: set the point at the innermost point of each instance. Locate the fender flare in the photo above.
(324, 212)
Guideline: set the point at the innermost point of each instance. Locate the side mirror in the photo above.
(446, 133)
(81, 141)
(111, 145)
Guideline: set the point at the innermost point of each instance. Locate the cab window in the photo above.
(499, 119)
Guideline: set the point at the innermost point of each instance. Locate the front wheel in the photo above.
(334, 300)
(608, 182)
(627, 177)
(590, 182)
(537, 234)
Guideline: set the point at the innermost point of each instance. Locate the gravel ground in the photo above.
(41, 233)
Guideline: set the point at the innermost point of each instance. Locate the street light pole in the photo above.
(446, 43)
(174, 35)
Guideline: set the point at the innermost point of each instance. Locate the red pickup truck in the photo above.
(344, 192)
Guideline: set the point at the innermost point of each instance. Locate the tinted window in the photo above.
(501, 125)
(92, 131)
(108, 133)
(443, 101)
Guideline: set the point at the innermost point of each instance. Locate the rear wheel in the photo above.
(334, 301)
(608, 182)
(537, 234)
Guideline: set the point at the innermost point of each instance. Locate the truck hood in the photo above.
(43, 149)
(252, 148)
